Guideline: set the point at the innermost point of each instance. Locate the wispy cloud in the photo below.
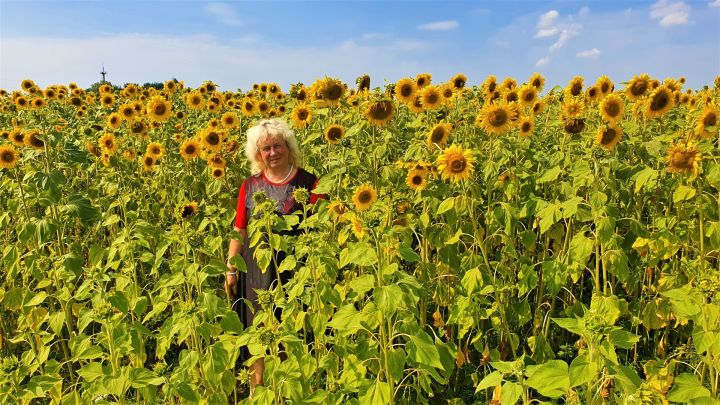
(542, 61)
(589, 53)
(670, 14)
(549, 25)
(439, 26)
(715, 4)
(565, 35)
(224, 13)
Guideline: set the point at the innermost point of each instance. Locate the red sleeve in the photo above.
(241, 220)
(314, 197)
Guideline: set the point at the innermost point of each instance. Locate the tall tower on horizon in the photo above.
(103, 73)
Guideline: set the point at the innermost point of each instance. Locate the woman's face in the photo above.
(274, 153)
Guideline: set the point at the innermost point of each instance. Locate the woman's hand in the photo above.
(231, 282)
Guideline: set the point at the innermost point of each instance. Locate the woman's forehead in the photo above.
(270, 139)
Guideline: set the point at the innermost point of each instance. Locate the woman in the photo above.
(275, 162)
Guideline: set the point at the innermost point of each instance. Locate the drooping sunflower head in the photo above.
(431, 97)
(190, 149)
(331, 90)
(612, 108)
(187, 210)
(337, 209)
(159, 109)
(129, 154)
(8, 156)
(439, 135)
(33, 140)
(489, 86)
(416, 180)
(380, 112)
(416, 105)
(455, 163)
(574, 126)
(609, 136)
(508, 83)
(301, 116)
(497, 118)
(364, 197)
(683, 158)
(363, 83)
(659, 102)
(459, 81)
(405, 90)
(575, 87)
(334, 133)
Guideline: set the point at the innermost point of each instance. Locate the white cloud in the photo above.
(548, 19)
(371, 36)
(715, 4)
(224, 13)
(548, 25)
(439, 26)
(589, 53)
(565, 35)
(670, 14)
(140, 58)
(542, 61)
(546, 32)
(584, 12)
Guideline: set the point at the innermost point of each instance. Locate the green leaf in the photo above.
(550, 379)
(510, 393)
(550, 175)
(376, 393)
(346, 319)
(645, 178)
(408, 254)
(687, 387)
(79, 206)
(36, 299)
(91, 371)
(362, 284)
(360, 253)
(581, 248)
(623, 339)
(573, 325)
(187, 392)
(388, 298)
(396, 363)
(491, 380)
(582, 370)
(472, 280)
(142, 377)
(683, 193)
(422, 350)
(446, 205)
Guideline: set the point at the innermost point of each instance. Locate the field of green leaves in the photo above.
(500, 243)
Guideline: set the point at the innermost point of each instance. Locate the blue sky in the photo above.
(237, 43)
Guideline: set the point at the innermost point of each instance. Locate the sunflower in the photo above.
(263, 107)
(572, 108)
(508, 83)
(363, 83)
(574, 126)
(301, 116)
(593, 94)
(416, 180)
(155, 149)
(455, 163)
(127, 112)
(230, 120)
(660, 101)
(217, 172)
(357, 227)
(405, 90)
(159, 109)
(129, 154)
(608, 137)
(528, 95)
(38, 102)
(108, 144)
(107, 99)
(212, 139)
(605, 85)
(114, 120)
(537, 81)
(8, 156)
(21, 102)
(32, 140)
(708, 118)
(190, 149)
(194, 100)
(187, 210)
(364, 197)
(139, 128)
(331, 90)
(148, 163)
(17, 136)
(439, 135)
(538, 107)
(380, 112)
(416, 106)
(105, 88)
(27, 84)
(334, 133)
(574, 88)
(431, 97)
(447, 91)
(459, 81)
(612, 108)
(423, 79)
(337, 209)
(526, 125)
(489, 86)
(638, 86)
(683, 158)
(217, 160)
(497, 118)
(170, 86)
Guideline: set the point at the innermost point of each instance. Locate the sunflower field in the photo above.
(501, 243)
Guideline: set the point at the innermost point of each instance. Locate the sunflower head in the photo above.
(660, 101)
(380, 112)
(707, 125)
(190, 149)
(612, 108)
(159, 109)
(155, 149)
(331, 90)
(528, 95)
(363, 82)
(405, 90)
(108, 144)
(455, 163)
(608, 137)
(230, 120)
(187, 210)
(574, 88)
(574, 125)
(301, 116)
(8, 156)
(423, 79)
(364, 197)
(148, 162)
(459, 81)
(33, 140)
(301, 195)
(439, 135)
(334, 133)
(114, 120)
(572, 108)
(416, 179)
(431, 97)
(526, 126)
(489, 86)
(497, 118)
(337, 209)
(217, 172)
(683, 158)
(604, 84)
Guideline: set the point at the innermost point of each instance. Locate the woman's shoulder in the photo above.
(305, 176)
